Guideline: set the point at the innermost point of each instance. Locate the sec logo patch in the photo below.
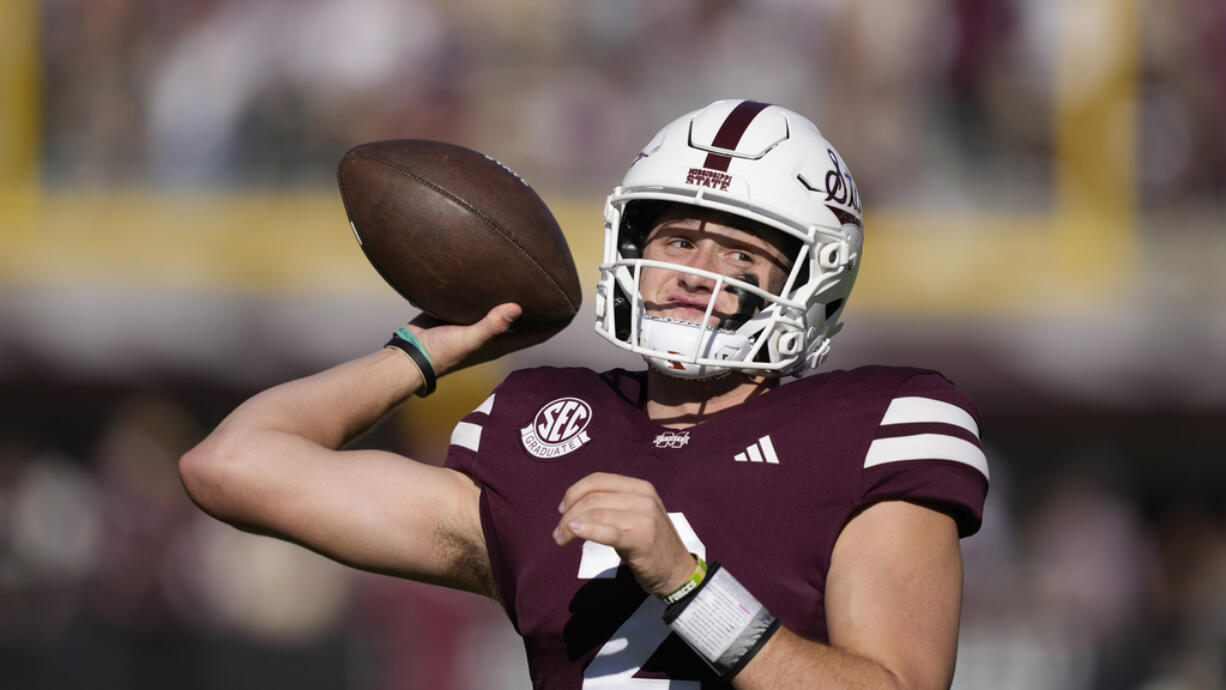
(560, 427)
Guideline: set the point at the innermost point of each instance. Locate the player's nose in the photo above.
(704, 260)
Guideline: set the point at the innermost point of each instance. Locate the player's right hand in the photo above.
(451, 346)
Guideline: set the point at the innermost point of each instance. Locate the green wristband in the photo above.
(700, 574)
(404, 340)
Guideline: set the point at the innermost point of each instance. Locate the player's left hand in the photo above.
(628, 515)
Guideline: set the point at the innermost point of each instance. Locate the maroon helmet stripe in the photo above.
(718, 162)
(730, 133)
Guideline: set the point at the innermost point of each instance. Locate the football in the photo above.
(456, 233)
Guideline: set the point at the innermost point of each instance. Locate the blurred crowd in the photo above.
(109, 575)
(227, 93)
(111, 578)
(1077, 588)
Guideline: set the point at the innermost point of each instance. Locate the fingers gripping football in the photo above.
(627, 514)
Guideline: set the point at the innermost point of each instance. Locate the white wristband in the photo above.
(722, 622)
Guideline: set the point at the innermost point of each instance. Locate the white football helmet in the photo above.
(763, 163)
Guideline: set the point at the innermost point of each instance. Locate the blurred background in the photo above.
(1045, 186)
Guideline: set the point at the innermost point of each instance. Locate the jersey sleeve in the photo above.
(926, 449)
(472, 451)
(465, 445)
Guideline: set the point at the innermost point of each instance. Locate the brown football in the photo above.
(455, 232)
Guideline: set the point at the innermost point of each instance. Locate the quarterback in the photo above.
(697, 524)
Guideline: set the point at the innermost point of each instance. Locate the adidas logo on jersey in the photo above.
(762, 451)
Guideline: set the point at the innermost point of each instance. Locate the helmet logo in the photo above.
(560, 427)
(841, 189)
(709, 178)
(841, 196)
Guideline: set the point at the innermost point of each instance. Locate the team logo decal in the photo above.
(841, 190)
(672, 439)
(709, 178)
(841, 196)
(560, 427)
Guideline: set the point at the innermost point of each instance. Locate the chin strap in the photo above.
(668, 371)
(682, 338)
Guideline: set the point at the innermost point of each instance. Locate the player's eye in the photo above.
(740, 257)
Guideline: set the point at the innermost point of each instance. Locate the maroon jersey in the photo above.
(764, 488)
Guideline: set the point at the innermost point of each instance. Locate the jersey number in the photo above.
(637, 639)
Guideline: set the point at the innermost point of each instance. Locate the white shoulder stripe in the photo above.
(909, 410)
(466, 435)
(487, 406)
(926, 447)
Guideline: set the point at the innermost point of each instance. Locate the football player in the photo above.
(698, 524)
